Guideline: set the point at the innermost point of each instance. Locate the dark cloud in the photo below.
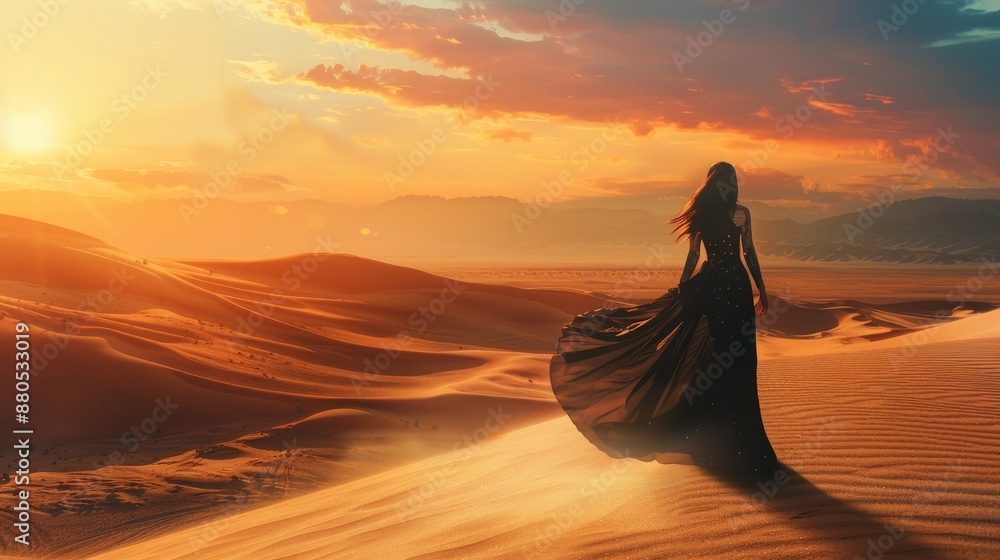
(767, 184)
(640, 61)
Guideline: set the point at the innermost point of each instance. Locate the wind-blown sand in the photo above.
(451, 444)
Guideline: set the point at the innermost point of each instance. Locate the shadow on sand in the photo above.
(857, 533)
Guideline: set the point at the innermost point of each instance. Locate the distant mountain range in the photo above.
(414, 229)
(925, 230)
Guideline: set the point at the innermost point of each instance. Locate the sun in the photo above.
(26, 131)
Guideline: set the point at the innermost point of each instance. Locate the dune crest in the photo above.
(292, 384)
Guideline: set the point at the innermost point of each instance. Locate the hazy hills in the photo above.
(925, 230)
(413, 229)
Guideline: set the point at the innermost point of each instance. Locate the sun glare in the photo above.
(26, 131)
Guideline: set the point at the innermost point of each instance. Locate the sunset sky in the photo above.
(308, 99)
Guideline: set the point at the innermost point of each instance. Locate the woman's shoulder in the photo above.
(740, 215)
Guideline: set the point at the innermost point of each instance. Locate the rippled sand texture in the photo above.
(281, 444)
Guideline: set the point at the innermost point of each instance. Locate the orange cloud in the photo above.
(510, 134)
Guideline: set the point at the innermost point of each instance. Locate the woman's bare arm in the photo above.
(750, 255)
(694, 253)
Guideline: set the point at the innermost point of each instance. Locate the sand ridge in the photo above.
(318, 394)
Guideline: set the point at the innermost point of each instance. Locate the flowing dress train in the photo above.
(674, 379)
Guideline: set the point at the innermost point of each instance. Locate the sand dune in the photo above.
(908, 463)
(311, 398)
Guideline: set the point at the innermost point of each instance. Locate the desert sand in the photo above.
(331, 406)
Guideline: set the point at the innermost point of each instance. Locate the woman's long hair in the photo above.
(711, 205)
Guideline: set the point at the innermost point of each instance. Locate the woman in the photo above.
(675, 379)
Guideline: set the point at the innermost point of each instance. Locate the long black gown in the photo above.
(674, 379)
